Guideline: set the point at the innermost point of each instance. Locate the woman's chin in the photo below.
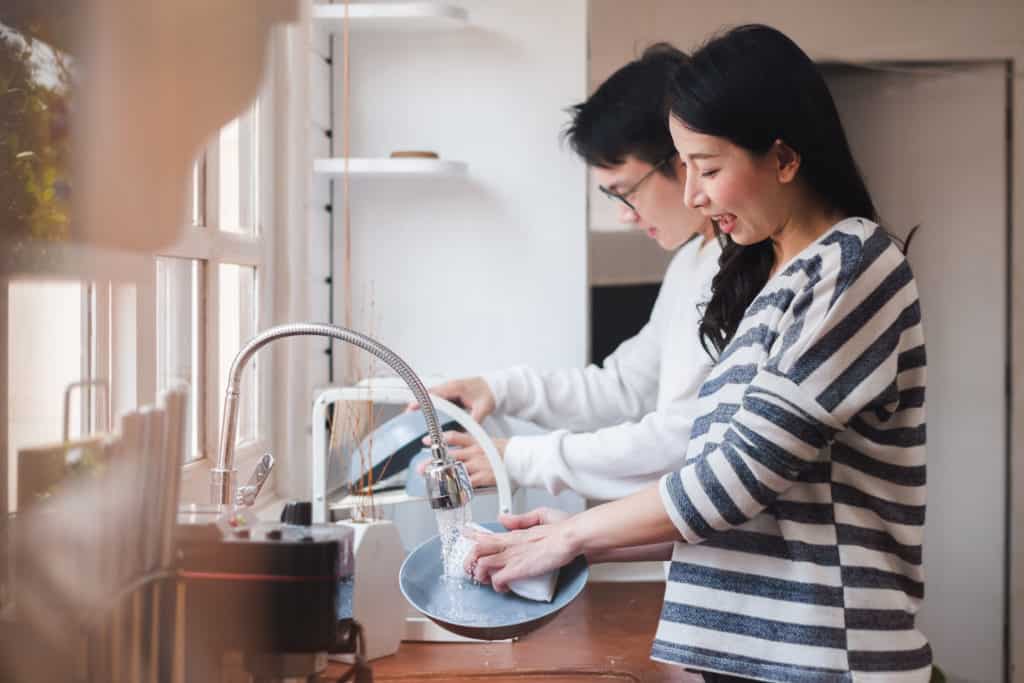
(743, 238)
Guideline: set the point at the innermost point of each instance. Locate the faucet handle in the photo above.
(246, 495)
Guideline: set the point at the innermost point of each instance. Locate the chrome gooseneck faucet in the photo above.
(448, 485)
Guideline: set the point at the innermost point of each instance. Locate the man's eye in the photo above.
(709, 174)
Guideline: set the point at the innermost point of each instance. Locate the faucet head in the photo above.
(448, 485)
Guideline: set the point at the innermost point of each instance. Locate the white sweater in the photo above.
(620, 427)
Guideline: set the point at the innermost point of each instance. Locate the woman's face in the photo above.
(748, 196)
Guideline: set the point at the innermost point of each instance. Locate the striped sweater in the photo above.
(803, 495)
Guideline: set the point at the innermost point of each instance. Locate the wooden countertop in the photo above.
(604, 635)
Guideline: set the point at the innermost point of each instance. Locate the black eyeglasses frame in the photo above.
(624, 196)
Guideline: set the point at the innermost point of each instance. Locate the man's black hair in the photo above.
(627, 115)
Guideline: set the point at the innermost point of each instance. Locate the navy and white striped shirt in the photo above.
(803, 496)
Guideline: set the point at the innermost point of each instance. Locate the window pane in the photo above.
(238, 305)
(123, 347)
(229, 218)
(45, 354)
(179, 339)
(238, 165)
(198, 192)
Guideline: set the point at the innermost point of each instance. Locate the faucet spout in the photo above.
(453, 488)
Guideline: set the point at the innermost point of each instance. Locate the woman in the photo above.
(797, 520)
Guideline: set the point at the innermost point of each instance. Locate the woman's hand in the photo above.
(472, 393)
(659, 552)
(632, 528)
(535, 517)
(465, 449)
(499, 559)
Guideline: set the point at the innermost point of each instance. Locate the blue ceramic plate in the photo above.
(475, 610)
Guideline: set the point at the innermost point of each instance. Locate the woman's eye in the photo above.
(709, 174)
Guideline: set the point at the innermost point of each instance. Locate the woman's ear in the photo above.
(787, 161)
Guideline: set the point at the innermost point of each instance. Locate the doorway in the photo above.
(933, 142)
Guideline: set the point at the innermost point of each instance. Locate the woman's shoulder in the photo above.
(851, 249)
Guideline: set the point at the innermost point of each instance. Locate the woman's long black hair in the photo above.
(753, 86)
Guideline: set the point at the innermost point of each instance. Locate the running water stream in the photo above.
(454, 547)
(454, 544)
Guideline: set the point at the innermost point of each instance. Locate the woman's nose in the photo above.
(693, 195)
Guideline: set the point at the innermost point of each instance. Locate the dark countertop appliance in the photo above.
(279, 595)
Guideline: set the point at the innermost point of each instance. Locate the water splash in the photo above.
(454, 545)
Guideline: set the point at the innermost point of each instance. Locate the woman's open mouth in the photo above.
(726, 222)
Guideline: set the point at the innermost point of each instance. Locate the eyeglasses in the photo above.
(623, 196)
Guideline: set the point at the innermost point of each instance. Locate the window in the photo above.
(179, 319)
(45, 320)
(138, 322)
(45, 353)
(208, 289)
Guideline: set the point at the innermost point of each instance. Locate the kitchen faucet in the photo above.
(448, 485)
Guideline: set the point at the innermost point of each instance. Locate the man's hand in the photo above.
(465, 449)
(472, 393)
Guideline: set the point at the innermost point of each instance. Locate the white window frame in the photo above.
(215, 247)
(119, 300)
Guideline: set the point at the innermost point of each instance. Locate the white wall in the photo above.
(934, 152)
(464, 275)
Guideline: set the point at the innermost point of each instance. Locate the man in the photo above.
(618, 427)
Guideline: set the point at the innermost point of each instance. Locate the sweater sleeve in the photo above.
(583, 399)
(836, 355)
(624, 388)
(605, 464)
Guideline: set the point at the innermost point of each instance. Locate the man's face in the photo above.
(658, 206)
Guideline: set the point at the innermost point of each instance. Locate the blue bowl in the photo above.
(478, 611)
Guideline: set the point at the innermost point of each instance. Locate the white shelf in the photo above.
(384, 168)
(392, 16)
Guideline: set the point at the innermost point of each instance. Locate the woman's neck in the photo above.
(805, 224)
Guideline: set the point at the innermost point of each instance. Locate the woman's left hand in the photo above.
(499, 559)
